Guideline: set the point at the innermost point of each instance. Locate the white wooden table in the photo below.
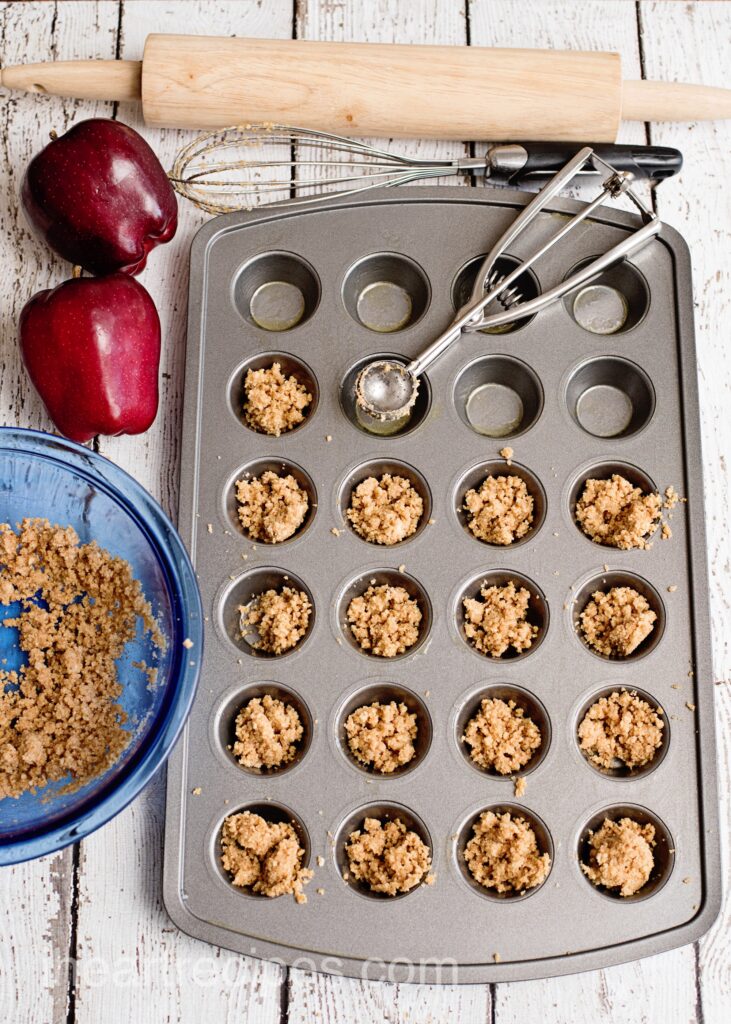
(83, 934)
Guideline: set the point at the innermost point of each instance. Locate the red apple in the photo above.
(92, 349)
(100, 198)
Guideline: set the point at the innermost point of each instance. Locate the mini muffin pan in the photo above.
(323, 290)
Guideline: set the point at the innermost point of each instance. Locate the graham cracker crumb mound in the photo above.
(385, 620)
(80, 606)
(387, 856)
(274, 403)
(267, 733)
(498, 620)
(614, 513)
(382, 735)
(616, 621)
(621, 727)
(275, 620)
(385, 511)
(500, 511)
(271, 507)
(620, 855)
(263, 856)
(501, 737)
(503, 854)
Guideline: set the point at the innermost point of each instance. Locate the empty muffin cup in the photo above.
(377, 468)
(473, 479)
(663, 851)
(464, 834)
(363, 421)
(614, 301)
(610, 397)
(276, 291)
(225, 724)
(498, 396)
(524, 289)
(282, 468)
(354, 821)
(242, 591)
(526, 702)
(290, 367)
(386, 292)
(537, 615)
(608, 581)
(385, 693)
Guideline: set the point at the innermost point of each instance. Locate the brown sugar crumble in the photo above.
(263, 856)
(385, 511)
(273, 403)
(615, 622)
(385, 620)
(621, 728)
(503, 854)
(498, 620)
(387, 856)
(620, 855)
(267, 733)
(59, 713)
(501, 737)
(382, 735)
(275, 620)
(271, 507)
(614, 513)
(500, 510)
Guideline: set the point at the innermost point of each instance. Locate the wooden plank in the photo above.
(692, 42)
(36, 898)
(133, 963)
(318, 996)
(650, 989)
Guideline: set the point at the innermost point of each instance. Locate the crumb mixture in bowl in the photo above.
(271, 508)
(79, 607)
(276, 620)
(382, 736)
(503, 854)
(263, 856)
(385, 511)
(501, 737)
(273, 403)
(620, 855)
(500, 510)
(621, 727)
(615, 622)
(387, 856)
(498, 620)
(385, 620)
(267, 733)
(615, 513)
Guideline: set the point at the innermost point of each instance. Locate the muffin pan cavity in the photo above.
(621, 770)
(256, 468)
(276, 291)
(245, 589)
(523, 289)
(290, 367)
(663, 850)
(610, 397)
(369, 424)
(386, 292)
(224, 729)
(613, 302)
(537, 610)
(378, 578)
(608, 581)
(385, 693)
(498, 396)
(524, 700)
(378, 468)
(473, 478)
(272, 812)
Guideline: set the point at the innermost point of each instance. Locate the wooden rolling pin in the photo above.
(447, 92)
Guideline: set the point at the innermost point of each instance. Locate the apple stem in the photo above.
(76, 271)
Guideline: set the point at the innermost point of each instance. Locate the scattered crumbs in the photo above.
(335, 531)
(430, 522)
(496, 957)
(555, 533)
(556, 572)
(321, 813)
(691, 673)
(690, 706)
(320, 860)
(253, 547)
(226, 801)
(427, 693)
(672, 588)
(328, 438)
(197, 791)
(672, 497)
(339, 640)
(687, 880)
(402, 568)
(187, 643)
(320, 891)
(218, 456)
(666, 533)
(346, 876)
(520, 786)
(430, 880)
(675, 686)
(209, 527)
(507, 454)
(605, 567)
(244, 556)
(674, 718)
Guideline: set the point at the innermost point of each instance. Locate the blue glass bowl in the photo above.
(42, 476)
